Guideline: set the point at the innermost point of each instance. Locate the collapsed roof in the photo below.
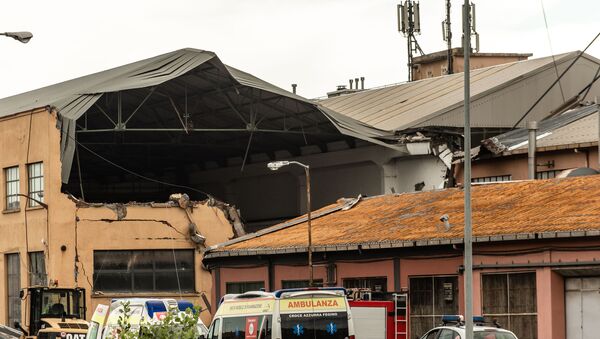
(187, 98)
(574, 128)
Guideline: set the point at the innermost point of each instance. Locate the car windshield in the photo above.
(493, 335)
(59, 303)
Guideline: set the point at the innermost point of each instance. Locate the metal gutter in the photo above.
(538, 264)
(402, 244)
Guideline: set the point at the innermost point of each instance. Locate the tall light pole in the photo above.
(468, 255)
(23, 37)
(274, 166)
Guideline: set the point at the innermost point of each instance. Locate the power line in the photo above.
(551, 50)
(554, 83)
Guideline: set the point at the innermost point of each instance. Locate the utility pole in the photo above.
(468, 255)
(409, 24)
(447, 34)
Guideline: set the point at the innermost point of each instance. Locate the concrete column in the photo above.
(550, 304)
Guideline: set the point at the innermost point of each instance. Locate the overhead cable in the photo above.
(554, 83)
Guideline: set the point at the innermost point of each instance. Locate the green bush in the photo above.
(176, 324)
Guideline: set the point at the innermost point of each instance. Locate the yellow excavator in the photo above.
(54, 313)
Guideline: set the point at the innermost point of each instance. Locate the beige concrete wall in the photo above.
(83, 229)
(434, 69)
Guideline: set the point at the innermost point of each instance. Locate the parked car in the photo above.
(454, 328)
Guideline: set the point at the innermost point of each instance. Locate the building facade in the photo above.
(111, 250)
(535, 254)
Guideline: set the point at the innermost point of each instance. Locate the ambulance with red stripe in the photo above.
(307, 313)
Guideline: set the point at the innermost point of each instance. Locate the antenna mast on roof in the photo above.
(409, 24)
(447, 34)
(473, 30)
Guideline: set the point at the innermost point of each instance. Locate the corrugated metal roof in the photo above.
(516, 210)
(574, 127)
(429, 102)
(74, 97)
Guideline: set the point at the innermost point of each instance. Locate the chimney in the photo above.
(362, 83)
(532, 126)
(351, 81)
(356, 82)
(294, 88)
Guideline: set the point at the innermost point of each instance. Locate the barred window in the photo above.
(37, 269)
(375, 284)
(547, 174)
(494, 178)
(11, 175)
(300, 283)
(511, 299)
(144, 271)
(430, 298)
(36, 183)
(243, 286)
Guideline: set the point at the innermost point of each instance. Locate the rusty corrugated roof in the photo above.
(502, 211)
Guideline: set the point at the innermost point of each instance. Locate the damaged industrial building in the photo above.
(118, 181)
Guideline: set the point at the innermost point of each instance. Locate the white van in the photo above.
(284, 314)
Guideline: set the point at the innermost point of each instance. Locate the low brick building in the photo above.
(536, 250)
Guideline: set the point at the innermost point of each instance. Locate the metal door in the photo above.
(583, 307)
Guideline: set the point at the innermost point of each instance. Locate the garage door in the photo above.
(583, 307)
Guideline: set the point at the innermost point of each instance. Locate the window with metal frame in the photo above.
(430, 298)
(511, 299)
(13, 279)
(547, 174)
(37, 269)
(494, 178)
(243, 286)
(35, 174)
(11, 180)
(144, 271)
(300, 283)
(375, 284)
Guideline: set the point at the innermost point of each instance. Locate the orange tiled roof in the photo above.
(521, 210)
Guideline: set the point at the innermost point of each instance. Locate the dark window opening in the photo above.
(244, 286)
(429, 299)
(144, 271)
(375, 284)
(300, 283)
(37, 269)
(511, 299)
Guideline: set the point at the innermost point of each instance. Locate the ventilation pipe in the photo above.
(294, 88)
(362, 83)
(351, 82)
(532, 126)
(356, 82)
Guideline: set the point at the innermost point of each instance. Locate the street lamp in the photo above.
(23, 37)
(274, 166)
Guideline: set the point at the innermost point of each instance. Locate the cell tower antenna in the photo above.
(447, 34)
(409, 25)
(473, 28)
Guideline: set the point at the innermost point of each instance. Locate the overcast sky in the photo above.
(317, 44)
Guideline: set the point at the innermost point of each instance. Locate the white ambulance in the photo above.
(284, 314)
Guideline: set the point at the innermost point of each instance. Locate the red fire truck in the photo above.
(379, 315)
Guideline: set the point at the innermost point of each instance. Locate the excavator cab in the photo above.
(55, 313)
